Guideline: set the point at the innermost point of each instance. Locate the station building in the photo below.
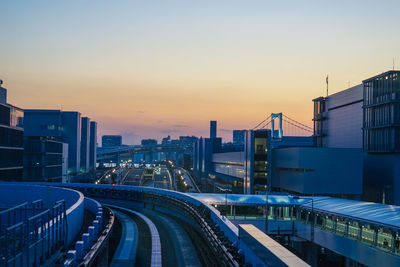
(366, 117)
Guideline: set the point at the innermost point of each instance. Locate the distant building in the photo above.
(188, 141)
(166, 140)
(111, 140)
(149, 142)
(239, 137)
(93, 145)
(11, 140)
(213, 129)
(85, 144)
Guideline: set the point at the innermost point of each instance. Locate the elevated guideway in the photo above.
(133, 234)
(215, 239)
(126, 251)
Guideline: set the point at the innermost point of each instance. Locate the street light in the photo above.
(226, 199)
(312, 213)
(266, 209)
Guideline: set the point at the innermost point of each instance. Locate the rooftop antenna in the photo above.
(393, 63)
(327, 84)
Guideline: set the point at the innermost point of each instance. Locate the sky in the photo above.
(148, 69)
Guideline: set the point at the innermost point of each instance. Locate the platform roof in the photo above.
(250, 200)
(385, 215)
(368, 212)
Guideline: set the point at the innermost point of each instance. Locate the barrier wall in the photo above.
(12, 194)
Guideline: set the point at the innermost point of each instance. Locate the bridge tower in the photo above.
(280, 132)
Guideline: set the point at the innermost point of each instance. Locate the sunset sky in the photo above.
(149, 68)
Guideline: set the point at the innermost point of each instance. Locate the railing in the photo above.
(371, 235)
(30, 234)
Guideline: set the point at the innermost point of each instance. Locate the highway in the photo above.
(134, 177)
(188, 179)
(163, 179)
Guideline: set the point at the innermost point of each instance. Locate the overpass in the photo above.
(115, 154)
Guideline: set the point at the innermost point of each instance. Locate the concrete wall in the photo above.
(12, 194)
(313, 170)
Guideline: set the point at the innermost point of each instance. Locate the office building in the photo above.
(43, 159)
(381, 138)
(85, 144)
(11, 139)
(111, 141)
(239, 137)
(93, 145)
(72, 136)
(62, 126)
(365, 117)
(213, 129)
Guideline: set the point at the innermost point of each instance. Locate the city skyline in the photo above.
(148, 70)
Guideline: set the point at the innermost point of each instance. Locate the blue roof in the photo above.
(248, 200)
(368, 212)
(385, 215)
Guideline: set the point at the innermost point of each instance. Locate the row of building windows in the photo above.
(10, 158)
(10, 137)
(382, 89)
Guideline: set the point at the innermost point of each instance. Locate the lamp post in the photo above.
(226, 199)
(266, 209)
(312, 213)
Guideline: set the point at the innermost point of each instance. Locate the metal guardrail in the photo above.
(27, 241)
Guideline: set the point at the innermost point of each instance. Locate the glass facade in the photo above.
(260, 160)
(43, 160)
(369, 234)
(11, 143)
(319, 131)
(381, 126)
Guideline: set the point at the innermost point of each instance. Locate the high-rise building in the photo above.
(62, 126)
(239, 137)
(213, 129)
(11, 139)
(111, 140)
(72, 136)
(43, 159)
(85, 144)
(93, 145)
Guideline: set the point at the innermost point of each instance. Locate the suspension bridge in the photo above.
(286, 126)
